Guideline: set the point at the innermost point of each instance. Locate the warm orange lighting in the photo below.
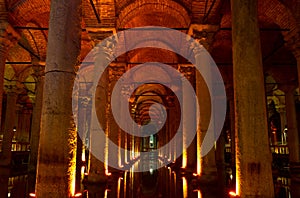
(106, 155)
(107, 173)
(125, 154)
(199, 194)
(32, 195)
(105, 193)
(233, 194)
(119, 150)
(125, 182)
(199, 159)
(83, 155)
(78, 195)
(184, 155)
(195, 174)
(184, 187)
(119, 187)
(132, 147)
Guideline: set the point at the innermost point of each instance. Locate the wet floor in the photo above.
(163, 182)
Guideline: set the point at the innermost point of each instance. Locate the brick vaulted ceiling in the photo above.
(277, 18)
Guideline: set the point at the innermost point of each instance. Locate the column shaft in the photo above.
(57, 148)
(293, 142)
(253, 156)
(6, 157)
(8, 128)
(8, 38)
(35, 132)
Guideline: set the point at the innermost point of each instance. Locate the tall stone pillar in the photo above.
(232, 131)
(82, 160)
(115, 72)
(57, 147)
(189, 154)
(253, 156)
(6, 155)
(35, 124)
(293, 43)
(208, 170)
(8, 38)
(206, 166)
(293, 140)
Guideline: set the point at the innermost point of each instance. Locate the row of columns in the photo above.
(58, 139)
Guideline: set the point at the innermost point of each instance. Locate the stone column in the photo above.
(57, 147)
(8, 38)
(115, 72)
(188, 122)
(206, 166)
(208, 163)
(35, 124)
(232, 131)
(6, 155)
(292, 39)
(253, 156)
(293, 140)
(84, 106)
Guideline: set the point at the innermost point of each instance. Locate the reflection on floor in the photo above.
(155, 183)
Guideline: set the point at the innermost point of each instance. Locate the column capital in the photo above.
(204, 34)
(188, 71)
(85, 101)
(8, 37)
(38, 67)
(115, 72)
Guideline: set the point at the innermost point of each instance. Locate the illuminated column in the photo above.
(189, 153)
(206, 166)
(293, 43)
(9, 125)
(83, 127)
(57, 148)
(253, 156)
(35, 123)
(97, 167)
(115, 72)
(232, 130)
(6, 157)
(293, 139)
(8, 38)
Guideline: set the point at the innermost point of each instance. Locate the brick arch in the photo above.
(152, 55)
(277, 12)
(24, 11)
(280, 14)
(174, 14)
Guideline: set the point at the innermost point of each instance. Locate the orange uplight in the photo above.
(233, 194)
(78, 195)
(32, 195)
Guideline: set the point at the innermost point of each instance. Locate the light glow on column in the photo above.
(119, 150)
(199, 158)
(184, 187)
(184, 153)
